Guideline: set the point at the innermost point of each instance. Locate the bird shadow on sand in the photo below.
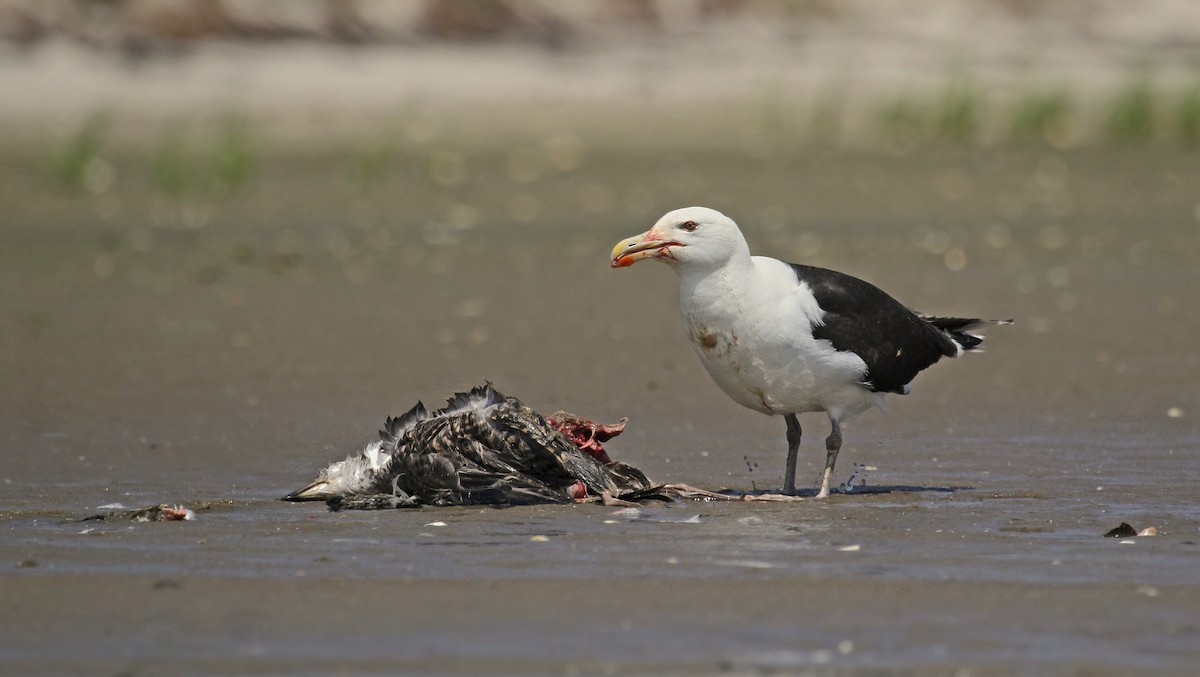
(855, 491)
(896, 489)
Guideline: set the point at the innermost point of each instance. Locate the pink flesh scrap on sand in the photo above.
(586, 433)
(171, 513)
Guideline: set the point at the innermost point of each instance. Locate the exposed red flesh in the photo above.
(171, 513)
(587, 434)
(577, 491)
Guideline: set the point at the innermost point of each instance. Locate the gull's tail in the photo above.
(959, 329)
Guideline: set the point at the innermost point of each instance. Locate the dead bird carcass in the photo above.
(481, 449)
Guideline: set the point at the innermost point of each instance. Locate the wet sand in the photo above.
(747, 623)
(218, 365)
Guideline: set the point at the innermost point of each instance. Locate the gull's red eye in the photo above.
(689, 226)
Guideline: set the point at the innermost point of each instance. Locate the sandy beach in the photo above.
(219, 367)
(200, 310)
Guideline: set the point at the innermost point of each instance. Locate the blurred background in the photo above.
(237, 224)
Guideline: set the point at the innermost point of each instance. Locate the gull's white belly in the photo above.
(779, 375)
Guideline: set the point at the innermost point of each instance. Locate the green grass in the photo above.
(446, 167)
(1042, 116)
(234, 159)
(901, 122)
(1132, 114)
(206, 160)
(1187, 119)
(210, 162)
(79, 152)
(372, 158)
(956, 116)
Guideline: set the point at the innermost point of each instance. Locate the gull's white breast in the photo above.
(752, 327)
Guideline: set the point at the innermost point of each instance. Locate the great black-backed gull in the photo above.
(782, 338)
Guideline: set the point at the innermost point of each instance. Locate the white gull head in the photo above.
(692, 238)
(356, 474)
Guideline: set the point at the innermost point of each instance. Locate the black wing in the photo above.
(861, 318)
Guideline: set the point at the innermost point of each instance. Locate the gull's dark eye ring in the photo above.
(689, 226)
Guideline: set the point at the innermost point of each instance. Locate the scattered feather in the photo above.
(744, 563)
(154, 513)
